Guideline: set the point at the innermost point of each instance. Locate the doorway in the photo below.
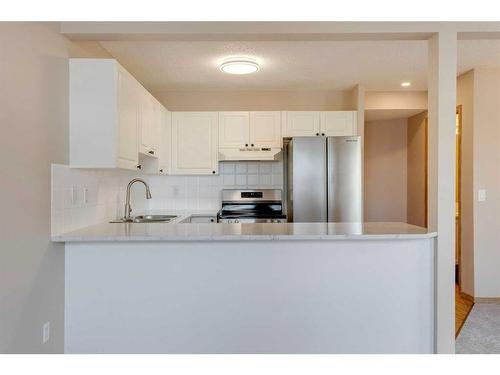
(463, 305)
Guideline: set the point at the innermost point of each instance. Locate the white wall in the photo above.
(251, 296)
(385, 170)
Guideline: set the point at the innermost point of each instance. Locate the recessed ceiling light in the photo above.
(405, 84)
(239, 65)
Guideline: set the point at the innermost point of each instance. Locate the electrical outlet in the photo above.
(46, 332)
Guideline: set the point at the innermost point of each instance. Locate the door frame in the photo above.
(458, 198)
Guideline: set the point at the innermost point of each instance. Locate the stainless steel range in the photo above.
(251, 206)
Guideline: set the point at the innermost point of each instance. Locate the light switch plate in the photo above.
(74, 195)
(481, 195)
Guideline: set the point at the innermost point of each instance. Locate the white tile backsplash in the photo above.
(83, 197)
(106, 191)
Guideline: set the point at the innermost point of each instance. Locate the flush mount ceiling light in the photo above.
(239, 65)
(405, 84)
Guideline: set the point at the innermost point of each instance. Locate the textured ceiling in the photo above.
(294, 65)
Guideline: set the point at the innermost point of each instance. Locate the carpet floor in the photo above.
(480, 333)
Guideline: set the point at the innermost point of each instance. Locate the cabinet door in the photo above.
(194, 142)
(234, 129)
(145, 118)
(265, 129)
(338, 123)
(155, 127)
(127, 143)
(165, 141)
(302, 123)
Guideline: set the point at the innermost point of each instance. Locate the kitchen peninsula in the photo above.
(249, 288)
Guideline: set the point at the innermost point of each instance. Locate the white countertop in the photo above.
(242, 232)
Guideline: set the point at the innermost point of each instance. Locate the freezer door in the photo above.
(307, 179)
(344, 179)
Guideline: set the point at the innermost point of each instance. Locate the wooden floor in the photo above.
(463, 307)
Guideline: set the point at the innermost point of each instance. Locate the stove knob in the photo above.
(236, 221)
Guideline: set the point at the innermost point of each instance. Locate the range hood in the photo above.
(249, 153)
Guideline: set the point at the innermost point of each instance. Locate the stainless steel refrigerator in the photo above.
(323, 179)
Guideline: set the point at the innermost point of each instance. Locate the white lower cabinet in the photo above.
(338, 123)
(194, 143)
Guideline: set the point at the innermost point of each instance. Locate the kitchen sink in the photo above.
(148, 219)
(153, 218)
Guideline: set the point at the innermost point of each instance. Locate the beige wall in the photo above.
(478, 92)
(416, 167)
(385, 175)
(396, 100)
(255, 100)
(486, 151)
(465, 98)
(88, 49)
(34, 120)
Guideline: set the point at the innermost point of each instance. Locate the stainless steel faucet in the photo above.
(128, 209)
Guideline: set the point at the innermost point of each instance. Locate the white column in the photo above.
(442, 71)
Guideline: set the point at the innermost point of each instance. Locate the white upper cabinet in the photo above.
(103, 115)
(265, 129)
(301, 123)
(165, 141)
(149, 124)
(113, 118)
(194, 143)
(338, 123)
(234, 129)
(128, 112)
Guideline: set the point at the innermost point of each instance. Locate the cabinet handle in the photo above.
(139, 166)
(317, 134)
(161, 170)
(252, 144)
(323, 134)
(212, 220)
(151, 152)
(246, 144)
(213, 172)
